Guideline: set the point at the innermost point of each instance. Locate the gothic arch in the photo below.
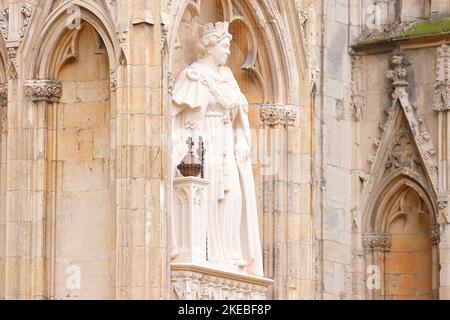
(377, 217)
(402, 241)
(52, 51)
(55, 26)
(263, 15)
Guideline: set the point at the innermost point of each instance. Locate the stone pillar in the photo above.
(435, 236)
(3, 181)
(189, 221)
(376, 246)
(43, 97)
(283, 223)
(442, 106)
(143, 147)
(26, 191)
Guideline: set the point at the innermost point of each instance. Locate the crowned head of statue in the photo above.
(215, 42)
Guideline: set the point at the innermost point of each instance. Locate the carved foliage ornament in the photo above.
(403, 153)
(3, 93)
(442, 89)
(377, 241)
(4, 17)
(273, 115)
(26, 10)
(43, 90)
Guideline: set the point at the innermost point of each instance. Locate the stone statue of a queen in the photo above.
(208, 103)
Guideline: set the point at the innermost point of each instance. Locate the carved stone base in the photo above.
(191, 282)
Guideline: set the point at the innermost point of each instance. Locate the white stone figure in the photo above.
(209, 103)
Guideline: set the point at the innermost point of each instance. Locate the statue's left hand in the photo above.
(242, 151)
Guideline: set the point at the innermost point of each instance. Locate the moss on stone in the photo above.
(426, 28)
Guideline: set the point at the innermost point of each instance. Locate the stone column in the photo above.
(189, 221)
(3, 181)
(376, 246)
(143, 147)
(283, 223)
(26, 189)
(435, 236)
(442, 106)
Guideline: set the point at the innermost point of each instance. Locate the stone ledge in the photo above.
(194, 282)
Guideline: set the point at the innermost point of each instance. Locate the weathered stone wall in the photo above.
(85, 221)
(333, 209)
(85, 175)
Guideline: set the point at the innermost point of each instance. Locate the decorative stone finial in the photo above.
(398, 73)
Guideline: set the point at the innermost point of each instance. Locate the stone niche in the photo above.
(84, 225)
(193, 275)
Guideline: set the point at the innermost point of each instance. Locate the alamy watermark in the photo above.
(373, 281)
(74, 17)
(73, 280)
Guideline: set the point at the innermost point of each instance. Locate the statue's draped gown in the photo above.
(210, 104)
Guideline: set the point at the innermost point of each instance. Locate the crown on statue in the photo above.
(213, 27)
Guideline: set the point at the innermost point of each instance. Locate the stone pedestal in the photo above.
(189, 236)
(192, 276)
(192, 282)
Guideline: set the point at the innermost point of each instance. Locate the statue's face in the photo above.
(220, 52)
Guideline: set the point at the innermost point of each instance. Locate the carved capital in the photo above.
(274, 115)
(377, 241)
(43, 90)
(3, 94)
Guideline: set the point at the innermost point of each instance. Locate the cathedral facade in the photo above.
(348, 109)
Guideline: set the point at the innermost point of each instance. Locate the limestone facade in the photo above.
(349, 106)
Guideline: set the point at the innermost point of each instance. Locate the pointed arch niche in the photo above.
(81, 142)
(402, 237)
(72, 87)
(267, 72)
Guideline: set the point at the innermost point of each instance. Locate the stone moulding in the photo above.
(377, 241)
(43, 90)
(273, 115)
(193, 282)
